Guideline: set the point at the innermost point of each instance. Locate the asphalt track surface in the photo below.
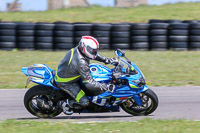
(174, 103)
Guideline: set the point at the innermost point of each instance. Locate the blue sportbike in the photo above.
(130, 94)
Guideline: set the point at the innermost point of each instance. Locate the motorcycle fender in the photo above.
(136, 97)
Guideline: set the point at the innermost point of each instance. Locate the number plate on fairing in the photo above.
(103, 101)
(99, 101)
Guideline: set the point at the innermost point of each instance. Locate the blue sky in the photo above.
(160, 2)
(27, 5)
(41, 5)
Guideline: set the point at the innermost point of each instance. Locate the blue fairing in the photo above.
(40, 74)
(100, 72)
(135, 76)
(131, 77)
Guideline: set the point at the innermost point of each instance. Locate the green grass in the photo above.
(165, 68)
(182, 11)
(141, 126)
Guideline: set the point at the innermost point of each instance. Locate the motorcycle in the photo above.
(130, 94)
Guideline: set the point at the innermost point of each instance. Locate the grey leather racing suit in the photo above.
(73, 67)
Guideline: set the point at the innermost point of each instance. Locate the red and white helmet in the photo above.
(89, 46)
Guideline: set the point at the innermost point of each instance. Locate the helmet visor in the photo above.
(92, 51)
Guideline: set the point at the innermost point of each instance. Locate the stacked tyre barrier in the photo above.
(44, 36)
(120, 36)
(140, 36)
(7, 36)
(102, 33)
(158, 36)
(194, 38)
(26, 36)
(155, 35)
(178, 36)
(63, 36)
(172, 21)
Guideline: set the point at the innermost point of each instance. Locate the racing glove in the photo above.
(111, 87)
(112, 61)
(107, 61)
(108, 87)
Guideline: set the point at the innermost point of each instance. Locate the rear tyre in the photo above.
(149, 104)
(31, 104)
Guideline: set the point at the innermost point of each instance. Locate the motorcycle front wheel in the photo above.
(149, 104)
(43, 93)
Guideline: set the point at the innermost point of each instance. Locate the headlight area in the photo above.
(137, 83)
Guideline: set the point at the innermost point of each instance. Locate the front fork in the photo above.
(137, 99)
(136, 96)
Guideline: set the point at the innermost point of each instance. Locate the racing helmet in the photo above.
(89, 46)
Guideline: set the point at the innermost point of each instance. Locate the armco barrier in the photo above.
(155, 35)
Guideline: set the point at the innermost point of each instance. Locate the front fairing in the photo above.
(126, 91)
(134, 79)
(132, 73)
(137, 69)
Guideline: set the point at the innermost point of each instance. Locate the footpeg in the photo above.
(67, 109)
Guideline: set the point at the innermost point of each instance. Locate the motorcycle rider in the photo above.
(75, 66)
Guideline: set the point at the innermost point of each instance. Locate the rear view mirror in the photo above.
(119, 52)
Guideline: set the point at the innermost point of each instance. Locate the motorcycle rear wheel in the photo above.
(31, 105)
(149, 104)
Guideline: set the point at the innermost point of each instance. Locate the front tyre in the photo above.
(149, 104)
(42, 93)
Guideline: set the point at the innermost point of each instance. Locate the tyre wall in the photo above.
(8, 36)
(156, 35)
(63, 36)
(139, 36)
